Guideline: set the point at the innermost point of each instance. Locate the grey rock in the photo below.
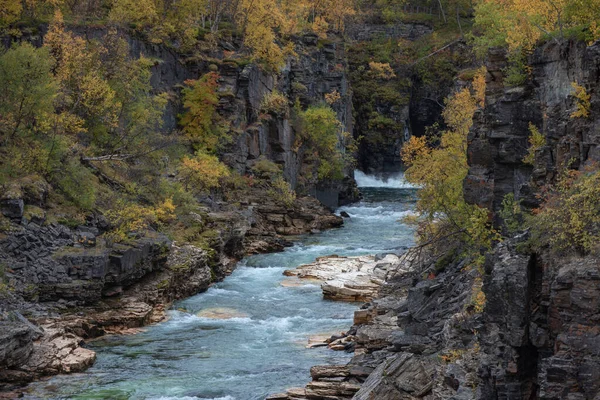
(12, 208)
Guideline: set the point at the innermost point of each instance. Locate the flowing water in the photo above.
(261, 350)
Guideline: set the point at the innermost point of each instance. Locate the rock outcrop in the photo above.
(348, 278)
(402, 336)
(498, 141)
(74, 285)
(319, 69)
(540, 337)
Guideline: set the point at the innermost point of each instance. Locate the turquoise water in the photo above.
(262, 350)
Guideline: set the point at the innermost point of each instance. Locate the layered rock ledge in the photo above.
(68, 285)
(348, 278)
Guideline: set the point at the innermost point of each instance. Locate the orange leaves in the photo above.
(333, 97)
(414, 149)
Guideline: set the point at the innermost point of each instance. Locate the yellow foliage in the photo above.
(84, 91)
(10, 11)
(165, 212)
(275, 103)
(130, 217)
(536, 141)
(281, 192)
(133, 11)
(259, 20)
(415, 148)
(583, 101)
(381, 70)
(333, 97)
(569, 217)
(478, 298)
(595, 31)
(439, 171)
(202, 172)
(479, 86)
(458, 113)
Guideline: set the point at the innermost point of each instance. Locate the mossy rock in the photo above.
(35, 189)
(34, 214)
(5, 224)
(11, 191)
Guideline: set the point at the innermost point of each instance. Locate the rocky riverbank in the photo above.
(68, 285)
(524, 324)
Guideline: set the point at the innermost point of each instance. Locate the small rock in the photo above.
(221, 313)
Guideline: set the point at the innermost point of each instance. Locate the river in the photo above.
(262, 349)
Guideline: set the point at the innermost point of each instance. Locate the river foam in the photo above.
(391, 181)
(191, 357)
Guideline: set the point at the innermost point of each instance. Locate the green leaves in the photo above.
(27, 89)
(323, 133)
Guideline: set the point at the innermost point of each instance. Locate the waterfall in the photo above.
(393, 181)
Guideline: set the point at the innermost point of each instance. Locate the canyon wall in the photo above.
(540, 336)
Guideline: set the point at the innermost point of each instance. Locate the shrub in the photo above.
(536, 142)
(333, 97)
(511, 214)
(583, 101)
(381, 70)
(517, 71)
(281, 192)
(322, 131)
(299, 87)
(440, 171)
(569, 217)
(275, 103)
(129, 217)
(201, 122)
(77, 183)
(202, 172)
(265, 168)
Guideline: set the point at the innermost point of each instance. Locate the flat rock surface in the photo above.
(347, 278)
(221, 313)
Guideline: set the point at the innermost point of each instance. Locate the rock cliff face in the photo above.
(540, 334)
(540, 337)
(319, 69)
(388, 111)
(499, 138)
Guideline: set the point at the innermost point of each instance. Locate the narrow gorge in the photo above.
(300, 200)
